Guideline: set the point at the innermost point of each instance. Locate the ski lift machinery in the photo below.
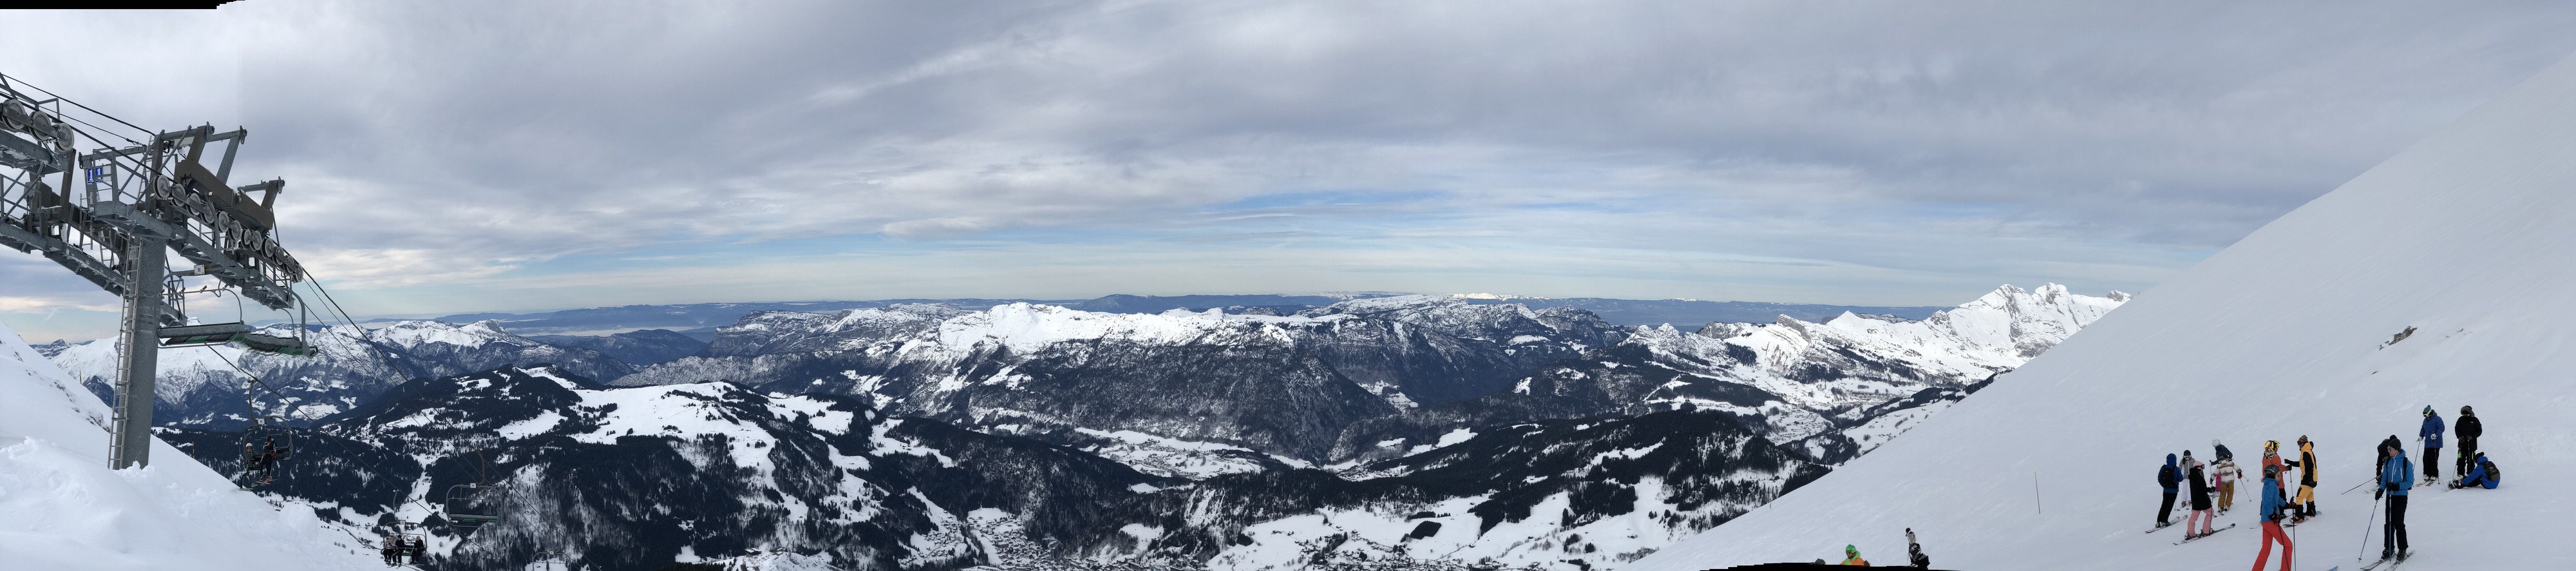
(142, 194)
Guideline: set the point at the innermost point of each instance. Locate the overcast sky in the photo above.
(451, 157)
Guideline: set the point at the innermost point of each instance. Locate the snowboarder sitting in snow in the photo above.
(2481, 475)
(1914, 551)
(1852, 556)
(2169, 478)
(2273, 505)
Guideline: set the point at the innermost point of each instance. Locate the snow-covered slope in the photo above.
(2463, 238)
(62, 509)
(199, 386)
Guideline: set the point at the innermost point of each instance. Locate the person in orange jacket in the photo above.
(2272, 462)
(1851, 556)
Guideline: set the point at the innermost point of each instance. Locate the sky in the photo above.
(459, 157)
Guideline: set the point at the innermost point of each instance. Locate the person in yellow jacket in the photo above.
(1851, 556)
(2304, 506)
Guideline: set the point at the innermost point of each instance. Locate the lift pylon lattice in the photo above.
(141, 195)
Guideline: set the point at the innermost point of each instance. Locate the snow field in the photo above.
(2464, 237)
(62, 509)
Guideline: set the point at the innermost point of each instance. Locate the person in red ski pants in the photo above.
(2273, 503)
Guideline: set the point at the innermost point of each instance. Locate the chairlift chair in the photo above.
(465, 509)
(264, 442)
(405, 546)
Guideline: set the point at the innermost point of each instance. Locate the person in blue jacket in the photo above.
(2273, 504)
(2171, 478)
(2395, 477)
(2481, 475)
(2432, 436)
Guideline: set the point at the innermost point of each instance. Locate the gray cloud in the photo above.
(453, 142)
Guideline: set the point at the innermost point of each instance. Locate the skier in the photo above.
(2431, 434)
(2272, 460)
(2224, 475)
(2482, 474)
(2394, 479)
(2271, 514)
(2467, 429)
(1914, 551)
(2199, 502)
(2306, 502)
(2169, 478)
(1852, 556)
(393, 550)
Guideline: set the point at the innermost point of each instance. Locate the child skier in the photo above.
(2273, 504)
(2431, 434)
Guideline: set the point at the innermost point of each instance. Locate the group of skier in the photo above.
(1913, 554)
(400, 549)
(2395, 477)
(259, 461)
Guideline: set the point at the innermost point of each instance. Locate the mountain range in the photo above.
(1436, 429)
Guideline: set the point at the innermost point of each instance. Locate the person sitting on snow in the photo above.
(1852, 556)
(2482, 474)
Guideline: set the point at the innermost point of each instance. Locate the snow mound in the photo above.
(64, 510)
(2462, 239)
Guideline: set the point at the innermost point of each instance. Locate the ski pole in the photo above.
(2365, 528)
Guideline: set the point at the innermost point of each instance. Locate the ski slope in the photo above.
(62, 509)
(2469, 237)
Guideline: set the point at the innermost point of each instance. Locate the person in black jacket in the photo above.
(2170, 478)
(2200, 508)
(2467, 429)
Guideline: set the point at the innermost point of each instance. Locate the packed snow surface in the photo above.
(61, 508)
(2464, 237)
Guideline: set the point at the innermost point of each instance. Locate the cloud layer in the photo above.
(1914, 152)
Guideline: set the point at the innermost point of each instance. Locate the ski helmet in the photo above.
(2464, 410)
(2271, 471)
(2428, 410)
(1851, 549)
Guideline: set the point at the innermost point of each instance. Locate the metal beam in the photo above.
(138, 361)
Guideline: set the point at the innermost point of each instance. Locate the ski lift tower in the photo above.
(141, 194)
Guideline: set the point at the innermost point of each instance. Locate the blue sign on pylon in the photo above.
(92, 174)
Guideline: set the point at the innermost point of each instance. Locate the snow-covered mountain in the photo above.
(1835, 388)
(1279, 385)
(637, 477)
(201, 386)
(2437, 278)
(62, 509)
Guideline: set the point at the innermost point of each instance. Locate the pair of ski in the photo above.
(2389, 562)
(2192, 538)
